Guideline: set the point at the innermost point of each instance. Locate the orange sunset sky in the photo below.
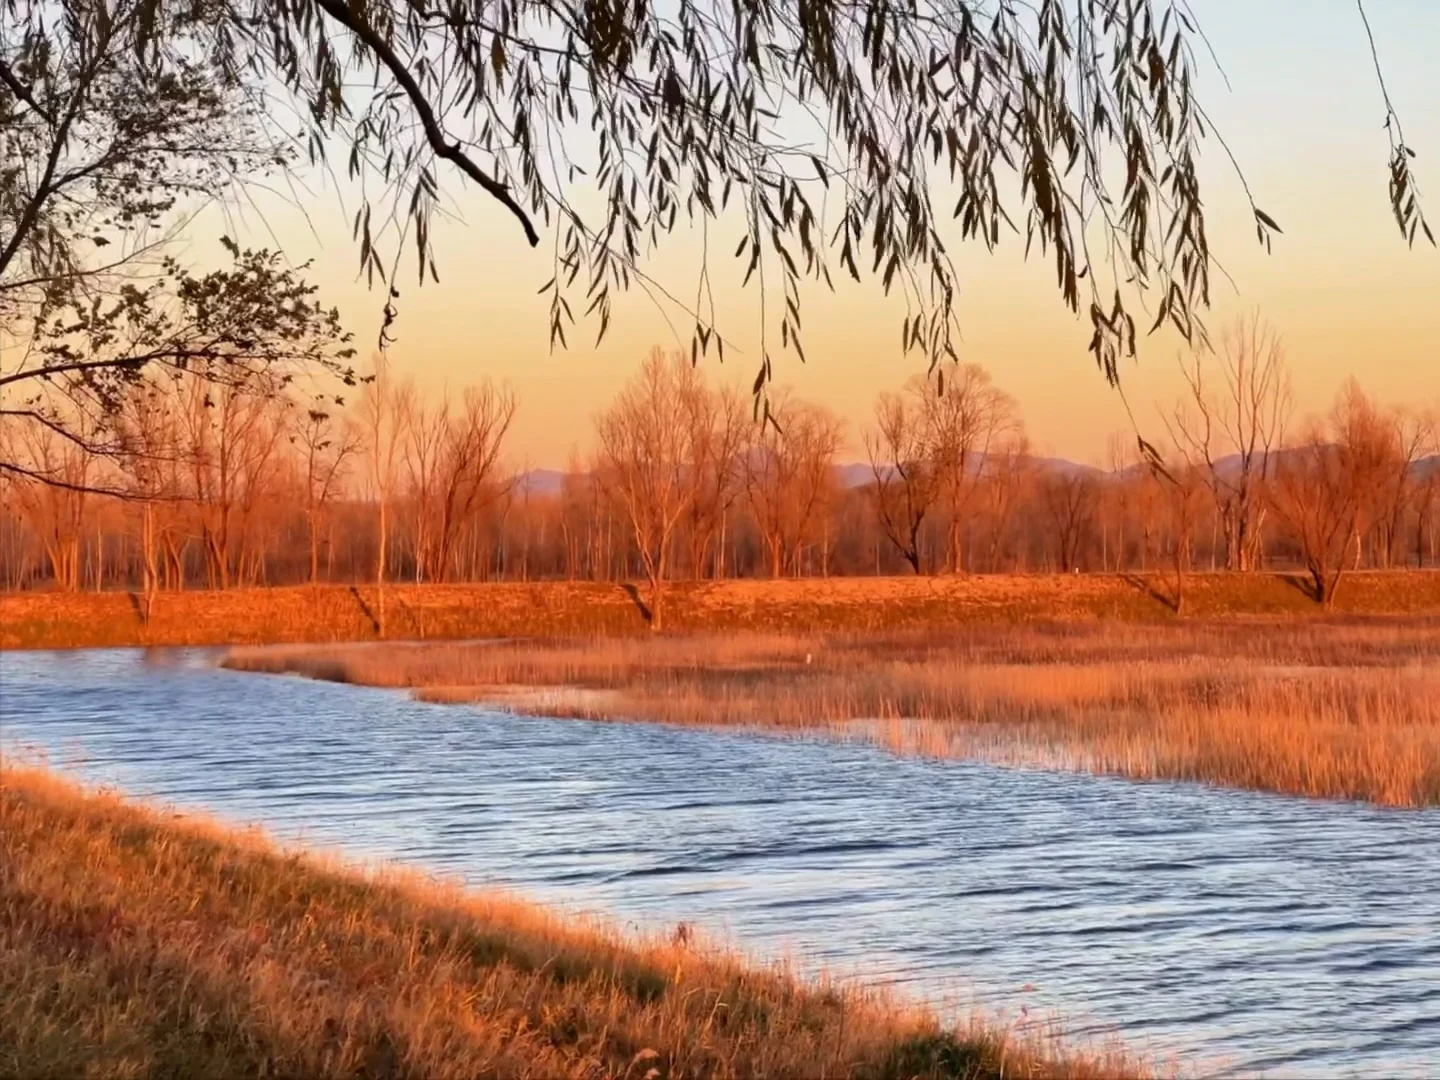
(1302, 114)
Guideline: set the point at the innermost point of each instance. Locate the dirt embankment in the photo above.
(555, 609)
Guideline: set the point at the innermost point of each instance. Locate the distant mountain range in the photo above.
(851, 474)
(857, 474)
(1422, 469)
(542, 481)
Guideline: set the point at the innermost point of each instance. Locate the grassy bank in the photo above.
(135, 943)
(1342, 707)
(557, 609)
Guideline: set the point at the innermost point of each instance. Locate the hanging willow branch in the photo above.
(868, 138)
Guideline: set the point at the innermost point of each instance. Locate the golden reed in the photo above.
(135, 943)
(1341, 707)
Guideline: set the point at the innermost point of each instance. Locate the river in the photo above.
(1236, 931)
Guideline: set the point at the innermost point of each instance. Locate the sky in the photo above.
(1302, 113)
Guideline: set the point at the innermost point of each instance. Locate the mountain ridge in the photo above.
(856, 474)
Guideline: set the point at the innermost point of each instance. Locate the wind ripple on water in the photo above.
(1259, 931)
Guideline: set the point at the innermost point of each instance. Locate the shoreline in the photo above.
(555, 609)
(301, 963)
(1341, 709)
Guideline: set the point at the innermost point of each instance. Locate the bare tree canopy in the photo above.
(932, 449)
(905, 487)
(1330, 488)
(789, 479)
(1231, 432)
(646, 462)
(272, 489)
(827, 138)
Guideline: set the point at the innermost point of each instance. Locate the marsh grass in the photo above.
(1345, 708)
(137, 943)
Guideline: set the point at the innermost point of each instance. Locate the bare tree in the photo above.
(453, 470)
(965, 416)
(789, 478)
(327, 443)
(55, 505)
(1180, 488)
(1009, 475)
(1124, 464)
(1068, 498)
(720, 428)
(644, 463)
(232, 433)
(581, 512)
(1414, 438)
(1327, 486)
(1427, 502)
(149, 431)
(905, 487)
(1231, 435)
(379, 424)
(422, 430)
(471, 477)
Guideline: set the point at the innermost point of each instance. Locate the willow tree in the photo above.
(812, 138)
(607, 126)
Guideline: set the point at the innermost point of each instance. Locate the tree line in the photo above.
(250, 483)
(154, 429)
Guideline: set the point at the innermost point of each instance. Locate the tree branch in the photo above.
(21, 91)
(95, 449)
(173, 355)
(342, 13)
(1408, 211)
(51, 481)
(43, 190)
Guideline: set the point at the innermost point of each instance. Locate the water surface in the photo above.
(1245, 931)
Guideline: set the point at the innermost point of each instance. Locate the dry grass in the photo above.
(557, 609)
(1334, 708)
(133, 943)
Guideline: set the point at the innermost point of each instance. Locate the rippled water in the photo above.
(1245, 931)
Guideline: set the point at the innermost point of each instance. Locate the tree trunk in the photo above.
(1181, 564)
(150, 572)
(380, 577)
(314, 550)
(657, 598)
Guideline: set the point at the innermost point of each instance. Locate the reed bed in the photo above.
(1340, 708)
(137, 943)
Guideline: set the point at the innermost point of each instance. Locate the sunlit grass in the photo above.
(1334, 708)
(134, 943)
(551, 609)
